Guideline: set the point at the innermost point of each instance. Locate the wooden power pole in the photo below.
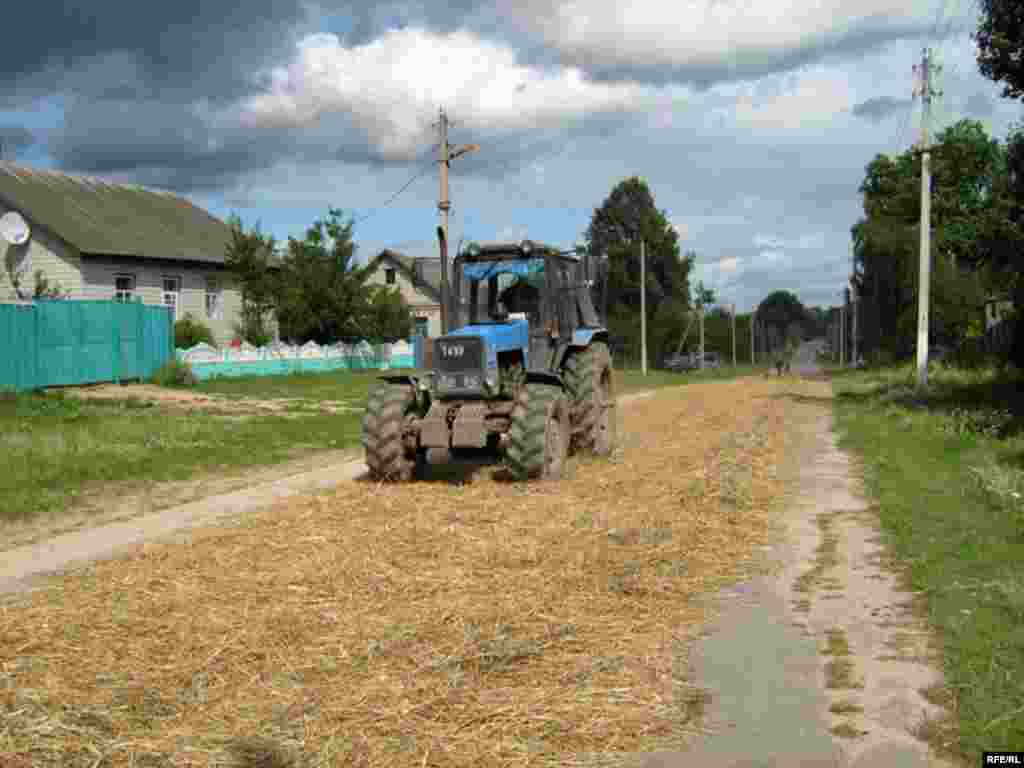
(753, 324)
(444, 205)
(643, 308)
(733, 335)
(700, 318)
(924, 279)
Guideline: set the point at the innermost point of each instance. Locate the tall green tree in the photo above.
(971, 209)
(777, 313)
(625, 218)
(251, 262)
(1000, 39)
(321, 296)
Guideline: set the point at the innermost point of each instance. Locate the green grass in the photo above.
(54, 448)
(335, 385)
(947, 467)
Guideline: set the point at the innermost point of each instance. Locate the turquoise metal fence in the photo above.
(60, 343)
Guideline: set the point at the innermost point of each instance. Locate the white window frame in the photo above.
(122, 295)
(215, 291)
(166, 294)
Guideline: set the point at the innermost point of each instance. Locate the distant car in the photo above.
(680, 363)
(712, 360)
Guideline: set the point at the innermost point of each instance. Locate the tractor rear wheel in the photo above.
(387, 456)
(588, 375)
(538, 437)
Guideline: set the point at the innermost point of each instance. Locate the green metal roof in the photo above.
(105, 219)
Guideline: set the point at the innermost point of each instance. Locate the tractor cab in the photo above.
(525, 301)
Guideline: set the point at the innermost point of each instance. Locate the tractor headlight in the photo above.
(491, 379)
(471, 381)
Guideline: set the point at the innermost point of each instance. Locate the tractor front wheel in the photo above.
(538, 437)
(588, 374)
(387, 455)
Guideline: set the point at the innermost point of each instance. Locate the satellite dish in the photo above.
(13, 228)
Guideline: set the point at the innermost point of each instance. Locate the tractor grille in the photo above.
(459, 354)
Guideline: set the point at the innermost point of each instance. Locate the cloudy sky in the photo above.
(751, 121)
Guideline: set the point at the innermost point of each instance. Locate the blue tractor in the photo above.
(526, 373)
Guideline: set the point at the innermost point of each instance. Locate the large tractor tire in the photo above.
(538, 437)
(387, 456)
(588, 375)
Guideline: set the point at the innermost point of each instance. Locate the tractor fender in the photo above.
(422, 398)
(581, 339)
(541, 377)
(398, 379)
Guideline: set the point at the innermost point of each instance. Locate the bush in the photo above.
(253, 330)
(175, 373)
(188, 332)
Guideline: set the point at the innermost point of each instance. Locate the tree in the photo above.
(388, 316)
(1000, 39)
(251, 261)
(627, 216)
(322, 294)
(973, 235)
(777, 313)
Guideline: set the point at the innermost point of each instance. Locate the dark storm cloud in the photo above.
(878, 108)
(14, 139)
(185, 49)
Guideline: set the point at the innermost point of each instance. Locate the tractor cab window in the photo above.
(496, 290)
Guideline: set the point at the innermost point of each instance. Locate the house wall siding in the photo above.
(59, 262)
(100, 274)
(421, 303)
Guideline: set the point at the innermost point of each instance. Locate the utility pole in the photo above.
(643, 308)
(855, 357)
(733, 335)
(444, 205)
(753, 323)
(924, 279)
(842, 335)
(701, 318)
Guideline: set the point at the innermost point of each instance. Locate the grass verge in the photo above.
(947, 467)
(56, 448)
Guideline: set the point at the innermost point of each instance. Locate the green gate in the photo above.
(61, 342)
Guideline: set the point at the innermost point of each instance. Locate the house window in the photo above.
(389, 276)
(172, 294)
(422, 326)
(214, 299)
(124, 288)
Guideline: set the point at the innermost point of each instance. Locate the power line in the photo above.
(372, 212)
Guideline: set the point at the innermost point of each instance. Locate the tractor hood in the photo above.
(498, 337)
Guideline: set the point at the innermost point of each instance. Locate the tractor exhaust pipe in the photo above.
(443, 243)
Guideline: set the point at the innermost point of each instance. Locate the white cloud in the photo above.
(394, 84)
(709, 33)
